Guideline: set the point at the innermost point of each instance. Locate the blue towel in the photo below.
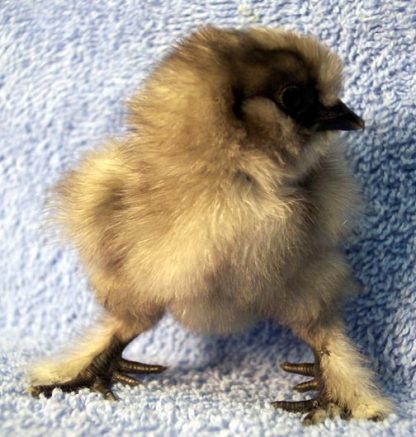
(66, 70)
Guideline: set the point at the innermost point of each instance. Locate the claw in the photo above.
(297, 406)
(137, 367)
(302, 387)
(305, 369)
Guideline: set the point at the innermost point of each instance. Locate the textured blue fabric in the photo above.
(66, 68)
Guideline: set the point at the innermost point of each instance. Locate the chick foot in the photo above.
(100, 375)
(318, 408)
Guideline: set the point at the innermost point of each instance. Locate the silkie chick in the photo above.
(226, 203)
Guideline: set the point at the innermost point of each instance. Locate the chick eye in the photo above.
(293, 98)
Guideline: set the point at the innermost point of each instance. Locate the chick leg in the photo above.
(345, 387)
(95, 362)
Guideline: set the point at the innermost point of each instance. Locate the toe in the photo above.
(312, 384)
(333, 410)
(37, 390)
(314, 417)
(377, 417)
(137, 367)
(296, 406)
(102, 387)
(124, 379)
(305, 369)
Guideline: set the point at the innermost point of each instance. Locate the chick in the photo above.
(226, 203)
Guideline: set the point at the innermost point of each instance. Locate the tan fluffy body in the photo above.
(217, 219)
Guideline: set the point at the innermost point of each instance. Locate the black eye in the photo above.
(293, 99)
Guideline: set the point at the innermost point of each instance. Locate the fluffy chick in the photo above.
(226, 203)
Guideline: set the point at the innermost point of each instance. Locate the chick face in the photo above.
(265, 89)
(286, 92)
(298, 74)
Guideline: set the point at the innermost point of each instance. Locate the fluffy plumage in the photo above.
(225, 203)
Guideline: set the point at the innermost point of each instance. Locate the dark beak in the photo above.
(338, 117)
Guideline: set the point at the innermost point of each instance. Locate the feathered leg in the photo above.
(95, 362)
(345, 386)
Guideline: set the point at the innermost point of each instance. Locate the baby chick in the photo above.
(226, 203)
